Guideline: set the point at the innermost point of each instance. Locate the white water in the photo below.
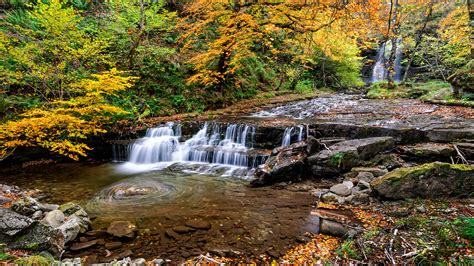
(380, 72)
(286, 140)
(287, 136)
(162, 144)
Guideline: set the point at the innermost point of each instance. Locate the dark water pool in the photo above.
(245, 221)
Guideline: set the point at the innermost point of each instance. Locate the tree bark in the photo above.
(418, 41)
(394, 29)
(141, 30)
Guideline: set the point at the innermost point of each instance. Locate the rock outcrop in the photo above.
(427, 180)
(342, 156)
(285, 164)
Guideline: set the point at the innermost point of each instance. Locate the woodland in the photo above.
(70, 69)
(214, 132)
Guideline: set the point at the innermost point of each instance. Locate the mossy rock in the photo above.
(431, 180)
(34, 260)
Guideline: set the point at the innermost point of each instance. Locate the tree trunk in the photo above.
(136, 42)
(418, 41)
(470, 9)
(393, 27)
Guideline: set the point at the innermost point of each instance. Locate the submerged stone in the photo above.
(121, 229)
(199, 224)
(427, 180)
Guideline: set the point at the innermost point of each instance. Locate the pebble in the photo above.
(139, 262)
(183, 229)
(83, 245)
(421, 209)
(348, 184)
(199, 224)
(121, 229)
(171, 234)
(158, 261)
(113, 245)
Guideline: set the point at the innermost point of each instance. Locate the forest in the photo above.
(178, 108)
(72, 68)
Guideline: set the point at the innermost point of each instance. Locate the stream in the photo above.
(164, 179)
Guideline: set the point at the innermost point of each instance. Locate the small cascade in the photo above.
(287, 136)
(216, 144)
(380, 72)
(286, 141)
(158, 145)
(300, 133)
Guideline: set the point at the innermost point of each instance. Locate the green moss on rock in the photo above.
(33, 260)
(427, 180)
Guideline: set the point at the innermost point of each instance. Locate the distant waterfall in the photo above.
(379, 72)
(162, 144)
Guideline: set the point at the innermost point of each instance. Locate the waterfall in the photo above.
(300, 133)
(379, 72)
(208, 145)
(286, 141)
(287, 136)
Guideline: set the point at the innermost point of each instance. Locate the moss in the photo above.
(5, 257)
(33, 246)
(33, 260)
(415, 171)
(336, 159)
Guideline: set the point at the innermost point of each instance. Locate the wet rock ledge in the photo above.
(373, 167)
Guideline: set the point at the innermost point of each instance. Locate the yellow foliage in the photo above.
(242, 26)
(455, 29)
(61, 125)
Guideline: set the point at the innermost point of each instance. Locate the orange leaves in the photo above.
(222, 35)
(62, 125)
(320, 249)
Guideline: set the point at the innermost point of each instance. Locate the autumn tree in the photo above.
(50, 51)
(221, 35)
(62, 126)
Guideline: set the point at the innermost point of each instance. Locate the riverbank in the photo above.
(326, 192)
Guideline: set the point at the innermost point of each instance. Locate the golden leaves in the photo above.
(222, 34)
(62, 125)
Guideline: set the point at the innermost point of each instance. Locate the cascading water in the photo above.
(162, 144)
(300, 133)
(380, 72)
(287, 136)
(286, 141)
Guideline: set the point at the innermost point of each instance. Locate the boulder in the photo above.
(427, 180)
(12, 223)
(284, 165)
(73, 209)
(39, 237)
(428, 151)
(71, 228)
(54, 218)
(343, 156)
(341, 189)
